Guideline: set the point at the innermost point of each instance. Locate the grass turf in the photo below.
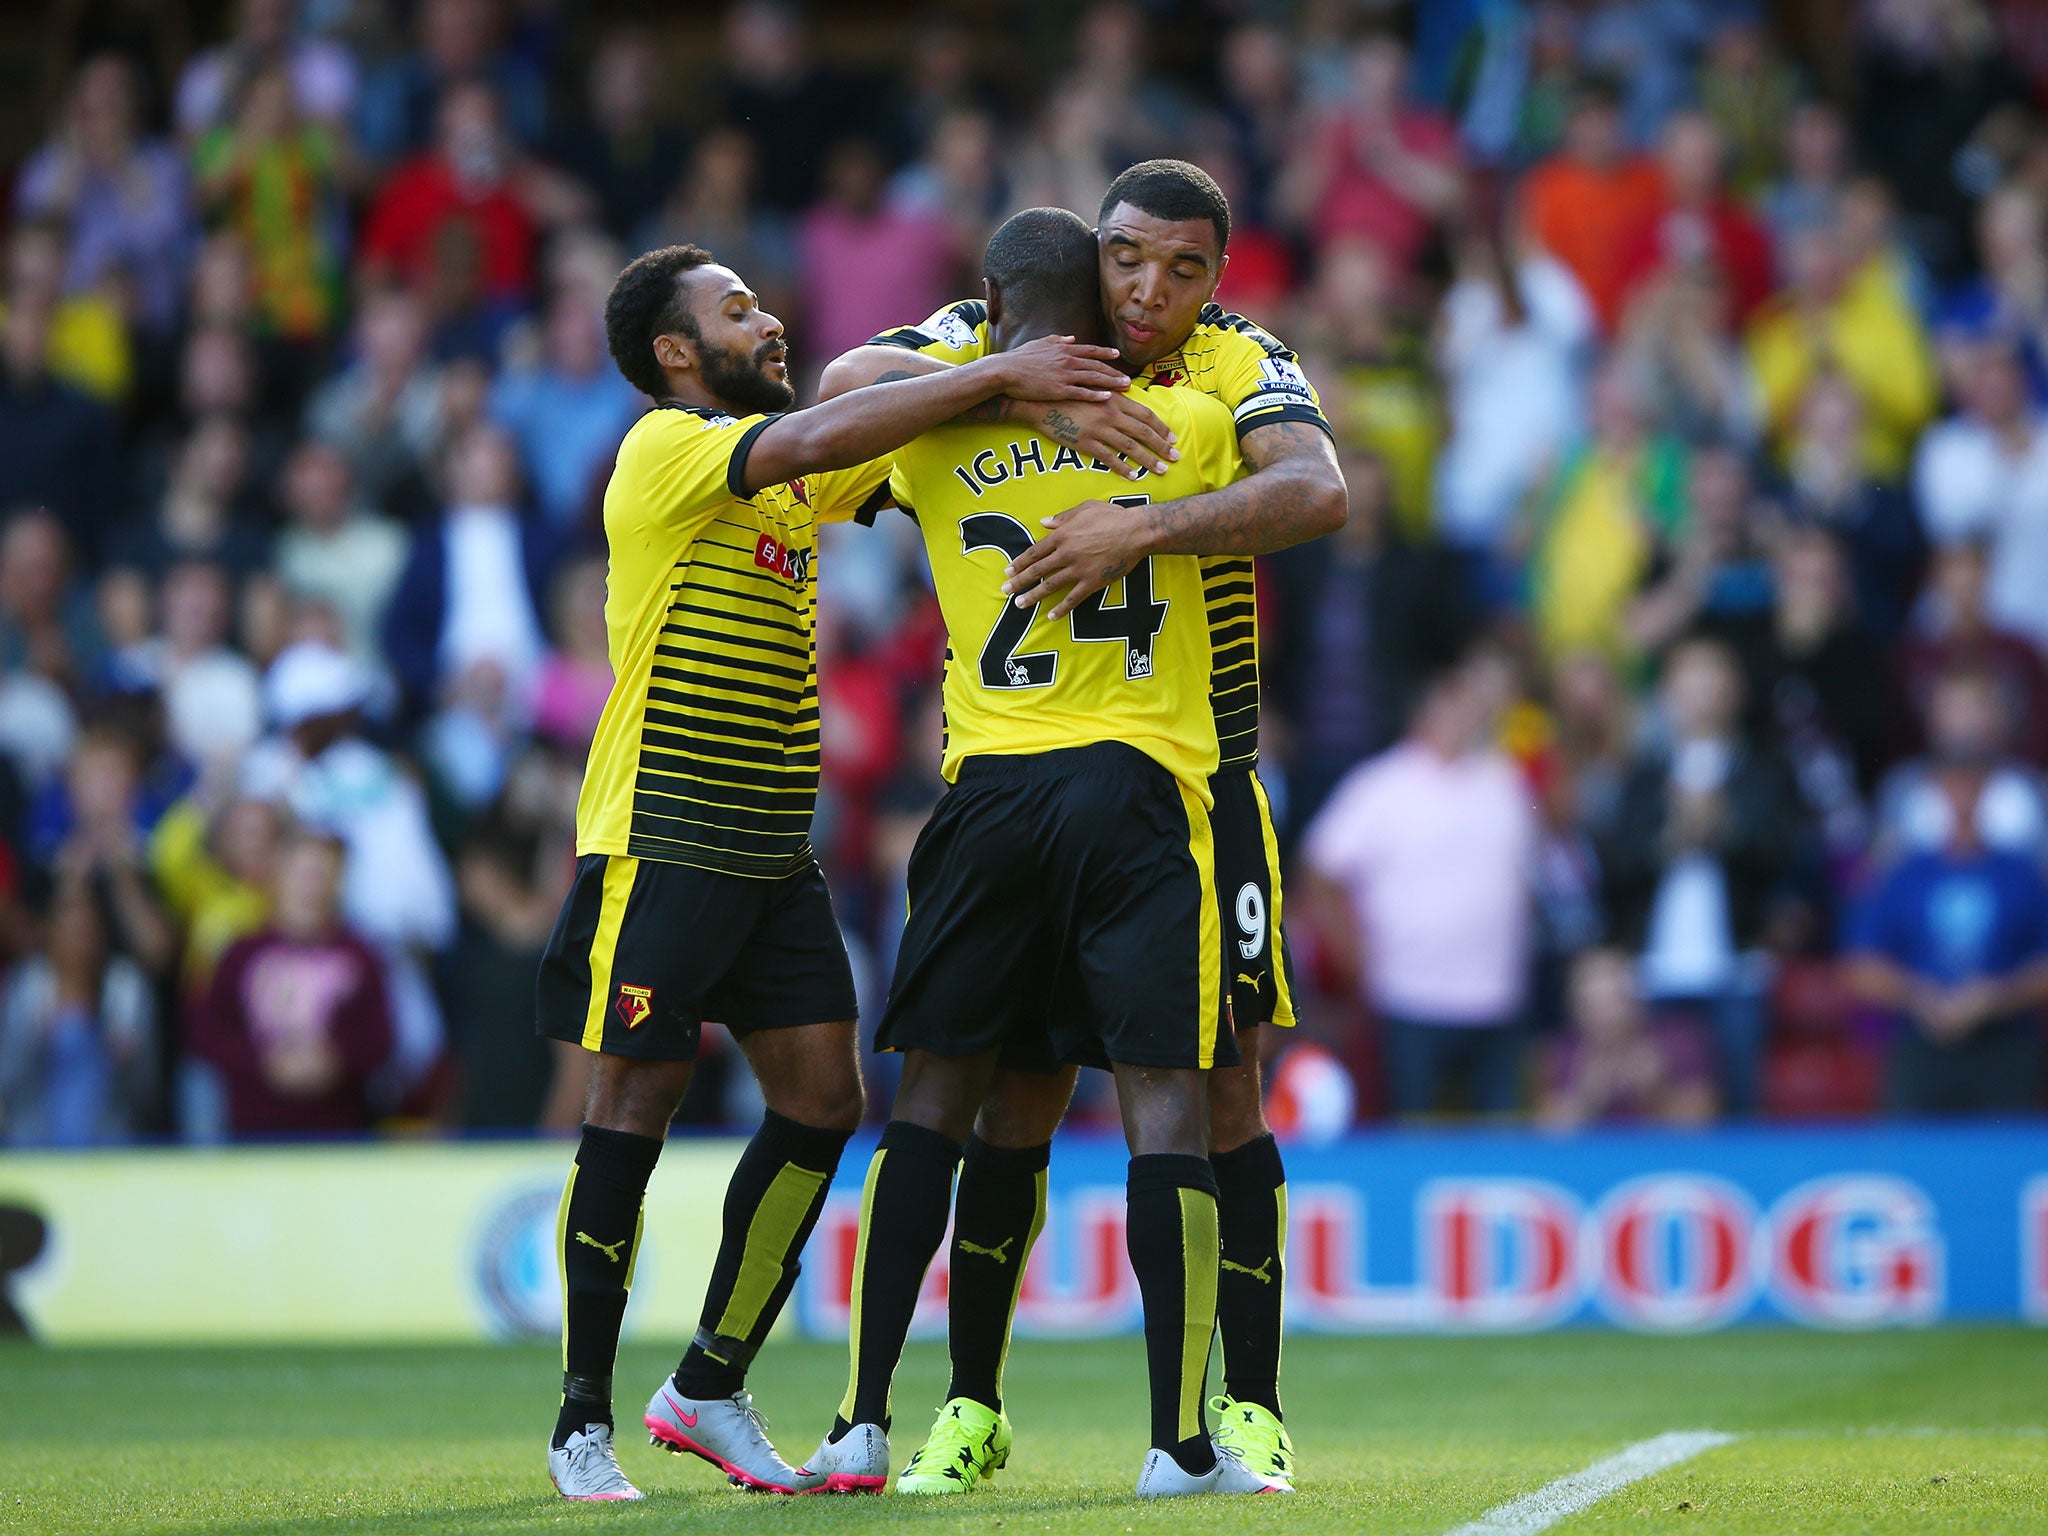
(1945, 1430)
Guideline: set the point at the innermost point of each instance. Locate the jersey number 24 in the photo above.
(1134, 623)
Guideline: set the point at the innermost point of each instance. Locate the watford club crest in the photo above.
(634, 1004)
(1170, 373)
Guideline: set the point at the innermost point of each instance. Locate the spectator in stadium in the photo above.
(1968, 763)
(1685, 358)
(568, 412)
(512, 871)
(58, 448)
(1857, 322)
(1748, 90)
(123, 198)
(273, 177)
(1715, 573)
(209, 692)
(1258, 100)
(1614, 506)
(772, 90)
(200, 515)
(1956, 632)
(47, 622)
(576, 676)
(1376, 384)
(713, 205)
(471, 179)
(624, 147)
(1706, 831)
(1614, 1065)
(1982, 475)
(475, 584)
(1582, 202)
(1816, 166)
(1827, 486)
(1377, 168)
(1695, 222)
(459, 42)
(335, 551)
(88, 333)
(1419, 873)
(1954, 941)
(78, 1035)
(385, 412)
(2009, 297)
(297, 1021)
(322, 72)
(864, 264)
(1512, 347)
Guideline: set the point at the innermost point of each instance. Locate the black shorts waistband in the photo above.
(1060, 763)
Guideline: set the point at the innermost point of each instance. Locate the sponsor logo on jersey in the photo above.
(792, 565)
(955, 332)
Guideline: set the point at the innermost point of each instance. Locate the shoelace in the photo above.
(744, 1401)
(960, 1436)
(596, 1448)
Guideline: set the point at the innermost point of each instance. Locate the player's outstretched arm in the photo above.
(1104, 431)
(852, 429)
(1295, 492)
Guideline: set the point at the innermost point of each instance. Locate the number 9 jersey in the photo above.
(1131, 663)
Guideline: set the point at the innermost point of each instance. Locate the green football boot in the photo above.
(1255, 1437)
(967, 1444)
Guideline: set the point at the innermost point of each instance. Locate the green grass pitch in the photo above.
(1945, 1430)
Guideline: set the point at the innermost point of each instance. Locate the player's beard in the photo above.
(742, 382)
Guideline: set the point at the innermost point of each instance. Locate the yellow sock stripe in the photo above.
(1017, 1284)
(1202, 848)
(604, 943)
(1283, 996)
(633, 1253)
(783, 1207)
(860, 1269)
(1201, 1252)
(562, 1257)
(1280, 1199)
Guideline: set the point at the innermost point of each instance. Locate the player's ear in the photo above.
(673, 350)
(992, 293)
(1222, 266)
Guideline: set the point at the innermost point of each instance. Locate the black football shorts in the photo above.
(1062, 909)
(644, 952)
(1258, 973)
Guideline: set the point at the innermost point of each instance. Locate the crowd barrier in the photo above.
(1394, 1232)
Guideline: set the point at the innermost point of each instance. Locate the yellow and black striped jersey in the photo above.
(707, 751)
(1131, 663)
(1261, 382)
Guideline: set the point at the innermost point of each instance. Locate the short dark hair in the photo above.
(645, 302)
(1043, 260)
(1171, 189)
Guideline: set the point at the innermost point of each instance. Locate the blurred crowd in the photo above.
(1661, 741)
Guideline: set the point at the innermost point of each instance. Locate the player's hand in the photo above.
(1085, 549)
(1059, 368)
(1119, 433)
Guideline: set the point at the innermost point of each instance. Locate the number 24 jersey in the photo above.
(1131, 663)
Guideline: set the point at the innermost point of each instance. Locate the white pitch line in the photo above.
(1553, 1502)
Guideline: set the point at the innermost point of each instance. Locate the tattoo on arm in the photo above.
(995, 408)
(1059, 425)
(1283, 501)
(893, 375)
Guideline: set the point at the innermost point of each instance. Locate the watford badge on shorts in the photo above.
(634, 1004)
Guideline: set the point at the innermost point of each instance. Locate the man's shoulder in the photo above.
(1224, 331)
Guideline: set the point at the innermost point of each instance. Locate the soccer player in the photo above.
(1162, 232)
(1070, 860)
(696, 893)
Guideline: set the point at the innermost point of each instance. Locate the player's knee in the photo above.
(833, 1103)
(640, 1097)
(1023, 1109)
(1236, 1113)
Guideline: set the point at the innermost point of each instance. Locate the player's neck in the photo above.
(687, 389)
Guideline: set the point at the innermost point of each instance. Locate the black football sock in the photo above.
(599, 1232)
(997, 1211)
(1251, 1221)
(1171, 1235)
(771, 1205)
(902, 1217)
